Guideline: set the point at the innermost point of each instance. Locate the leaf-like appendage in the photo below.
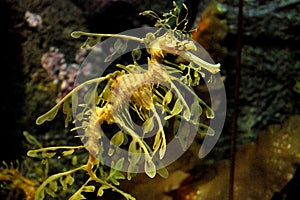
(150, 169)
(32, 140)
(163, 172)
(88, 188)
(119, 164)
(48, 116)
(47, 154)
(68, 152)
(118, 138)
(119, 47)
(67, 110)
(182, 135)
(52, 188)
(196, 109)
(148, 125)
(187, 114)
(136, 54)
(101, 190)
(157, 140)
(134, 147)
(162, 150)
(32, 153)
(176, 109)
(206, 129)
(167, 99)
(66, 181)
(77, 34)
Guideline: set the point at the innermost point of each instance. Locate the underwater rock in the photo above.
(272, 19)
(26, 38)
(266, 87)
(212, 29)
(269, 68)
(262, 167)
(48, 24)
(108, 16)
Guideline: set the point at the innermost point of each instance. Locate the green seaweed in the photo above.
(296, 87)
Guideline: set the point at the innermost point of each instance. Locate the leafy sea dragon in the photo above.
(143, 90)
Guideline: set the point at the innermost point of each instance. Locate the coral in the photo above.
(33, 20)
(62, 73)
(262, 167)
(54, 63)
(150, 92)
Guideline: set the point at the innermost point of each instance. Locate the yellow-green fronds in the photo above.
(171, 20)
(12, 180)
(296, 87)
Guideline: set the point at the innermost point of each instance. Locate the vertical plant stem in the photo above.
(236, 99)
